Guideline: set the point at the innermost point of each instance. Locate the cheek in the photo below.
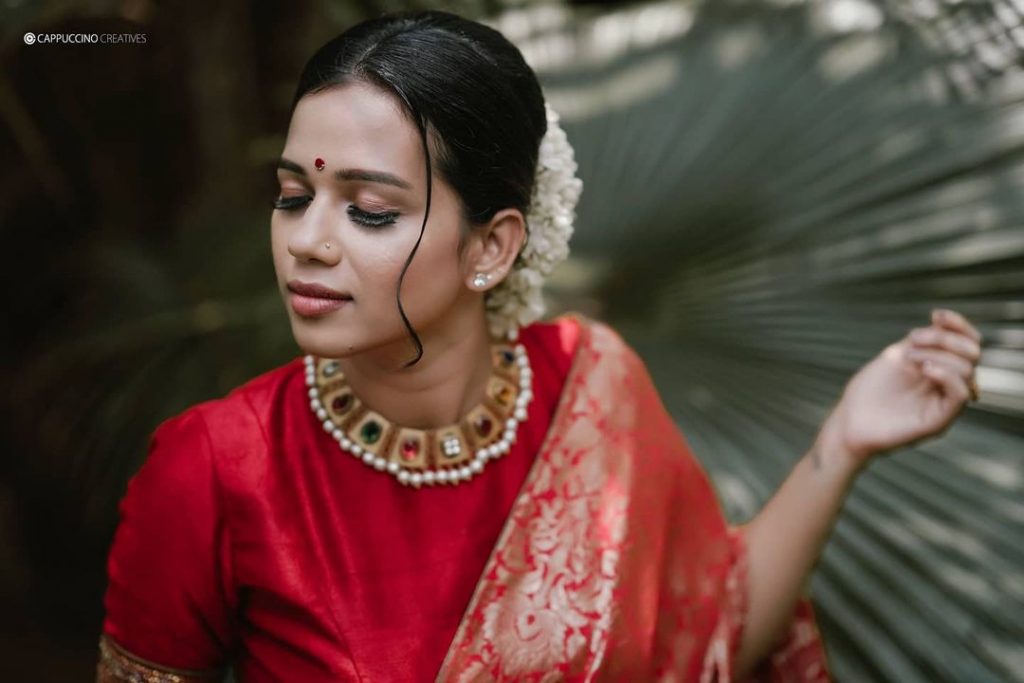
(278, 248)
(431, 284)
(381, 258)
(377, 262)
(433, 272)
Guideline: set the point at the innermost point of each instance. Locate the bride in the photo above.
(444, 486)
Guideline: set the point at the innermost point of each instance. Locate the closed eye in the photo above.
(291, 203)
(366, 218)
(372, 220)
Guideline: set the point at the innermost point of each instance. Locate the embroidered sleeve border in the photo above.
(117, 665)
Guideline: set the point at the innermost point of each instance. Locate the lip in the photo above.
(311, 299)
(313, 306)
(315, 290)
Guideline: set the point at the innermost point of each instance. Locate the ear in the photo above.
(493, 249)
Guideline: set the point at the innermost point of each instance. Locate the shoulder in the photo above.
(184, 445)
(568, 330)
(253, 400)
(246, 410)
(557, 336)
(572, 332)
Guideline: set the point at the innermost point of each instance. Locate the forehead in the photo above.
(355, 125)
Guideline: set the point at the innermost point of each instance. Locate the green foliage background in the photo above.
(773, 191)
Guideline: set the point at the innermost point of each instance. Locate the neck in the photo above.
(447, 382)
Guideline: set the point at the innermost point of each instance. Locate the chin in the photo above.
(325, 341)
(344, 341)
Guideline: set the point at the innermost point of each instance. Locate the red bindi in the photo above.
(319, 163)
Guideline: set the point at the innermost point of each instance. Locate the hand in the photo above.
(913, 389)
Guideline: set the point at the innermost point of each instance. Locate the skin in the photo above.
(361, 126)
(893, 401)
(912, 390)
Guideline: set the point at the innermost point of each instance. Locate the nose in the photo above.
(314, 236)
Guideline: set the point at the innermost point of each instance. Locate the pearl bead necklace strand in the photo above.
(429, 477)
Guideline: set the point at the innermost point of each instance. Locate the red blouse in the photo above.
(249, 536)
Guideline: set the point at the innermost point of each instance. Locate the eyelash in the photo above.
(372, 220)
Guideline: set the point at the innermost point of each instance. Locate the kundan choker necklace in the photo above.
(446, 455)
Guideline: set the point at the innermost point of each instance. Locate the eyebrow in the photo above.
(350, 174)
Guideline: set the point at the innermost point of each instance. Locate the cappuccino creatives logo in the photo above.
(85, 38)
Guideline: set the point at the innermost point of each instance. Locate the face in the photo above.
(368, 203)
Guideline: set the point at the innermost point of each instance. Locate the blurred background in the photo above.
(773, 192)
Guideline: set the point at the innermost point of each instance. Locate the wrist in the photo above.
(833, 449)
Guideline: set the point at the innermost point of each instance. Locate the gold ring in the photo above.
(972, 386)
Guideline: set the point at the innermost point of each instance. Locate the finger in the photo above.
(955, 321)
(933, 337)
(957, 364)
(951, 384)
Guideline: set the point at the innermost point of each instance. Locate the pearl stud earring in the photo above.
(481, 279)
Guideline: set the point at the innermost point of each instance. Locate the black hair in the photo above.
(467, 85)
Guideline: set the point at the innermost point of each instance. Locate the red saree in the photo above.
(594, 550)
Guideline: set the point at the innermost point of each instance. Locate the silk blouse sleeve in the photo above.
(170, 595)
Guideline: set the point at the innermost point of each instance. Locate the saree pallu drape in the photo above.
(595, 550)
(616, 563)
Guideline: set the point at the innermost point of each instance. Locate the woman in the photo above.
(512, 502)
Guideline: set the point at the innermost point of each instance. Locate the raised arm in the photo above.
(914, 389)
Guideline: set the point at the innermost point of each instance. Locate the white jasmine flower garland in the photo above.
(517, 300)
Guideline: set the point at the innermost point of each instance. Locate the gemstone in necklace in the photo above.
(451, 446)
(410, 449)
(371, 432)
(341, 403)
(503, 395)
(483, 425)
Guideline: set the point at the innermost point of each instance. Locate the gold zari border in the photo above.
(117, 665)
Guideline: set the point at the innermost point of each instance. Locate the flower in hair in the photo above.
(518, 301)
